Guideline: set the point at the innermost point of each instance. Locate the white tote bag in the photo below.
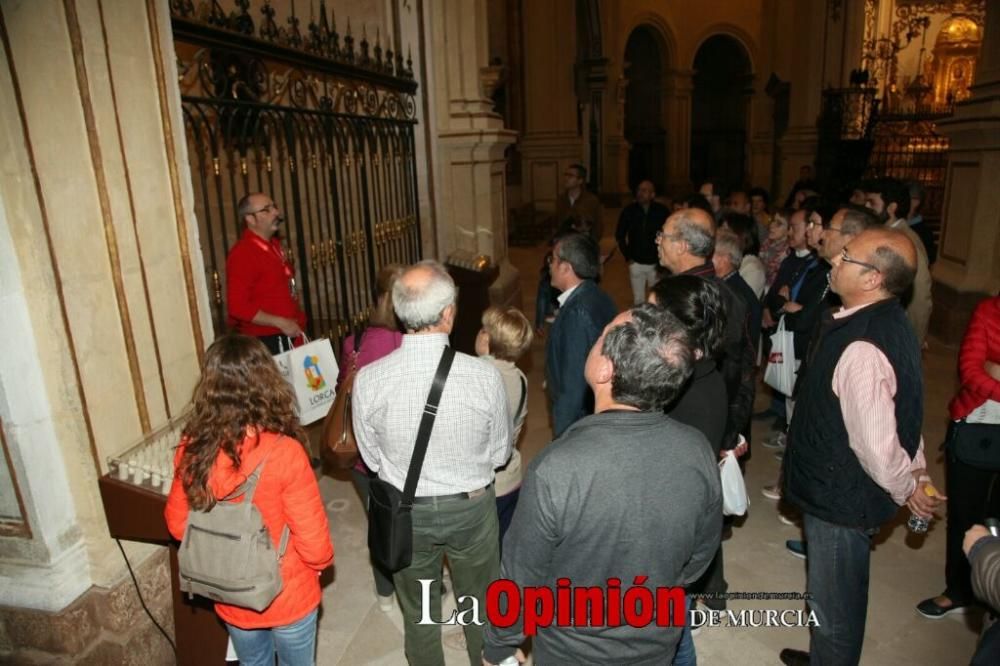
(312, 371)
(734, 492)
(781, 363)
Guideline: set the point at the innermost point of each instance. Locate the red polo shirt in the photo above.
(257, 278)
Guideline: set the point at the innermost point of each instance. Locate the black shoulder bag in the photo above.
(390, 525)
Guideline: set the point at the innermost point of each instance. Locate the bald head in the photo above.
(424, 297)
(687, 239)
(878, 258)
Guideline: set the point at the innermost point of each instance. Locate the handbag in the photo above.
(976, 444)
(734, 490)
(340, 448)
(390, 524)
(311, 370)
(781, 363)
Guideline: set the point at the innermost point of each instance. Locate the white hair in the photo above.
(422, 305)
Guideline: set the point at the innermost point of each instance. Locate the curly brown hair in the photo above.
(240, 391)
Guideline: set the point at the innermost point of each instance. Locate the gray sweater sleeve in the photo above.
(708, 534)
(527, 557)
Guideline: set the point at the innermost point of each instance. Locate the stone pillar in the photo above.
(679, 84)
(104, 300)
(798, 145)
(552, 139)
(469, 138)
(968, 265)
(615, 173)
(761, 135)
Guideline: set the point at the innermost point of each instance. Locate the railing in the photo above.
(323, 128)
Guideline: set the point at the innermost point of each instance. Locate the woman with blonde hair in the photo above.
(503, 339)
(380, 338)
(244, 420)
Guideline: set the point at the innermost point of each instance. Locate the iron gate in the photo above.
(326, 130)
(910, 148)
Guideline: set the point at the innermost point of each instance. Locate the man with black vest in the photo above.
(855, 453)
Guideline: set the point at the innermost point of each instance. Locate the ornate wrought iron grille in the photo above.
(324, 129)
(911, 148)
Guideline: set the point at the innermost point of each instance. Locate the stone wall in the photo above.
(105, 625)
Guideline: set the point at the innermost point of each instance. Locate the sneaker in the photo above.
(932, 610)
(785, 520)
(779, 455)
(776, 441)
(386, 604)
(796, 548)
(771, 492)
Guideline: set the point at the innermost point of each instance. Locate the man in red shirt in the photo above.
(259, 281)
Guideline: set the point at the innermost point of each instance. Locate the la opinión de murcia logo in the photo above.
(597, 606)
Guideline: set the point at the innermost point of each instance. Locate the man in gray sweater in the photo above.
(626, 493)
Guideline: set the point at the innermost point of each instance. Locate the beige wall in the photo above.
(96, 200)
(551, 141)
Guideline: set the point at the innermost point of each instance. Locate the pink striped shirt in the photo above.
(865, 383)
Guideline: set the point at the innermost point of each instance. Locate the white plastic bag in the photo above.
(734, 492)
(312, 371)
(781, 363)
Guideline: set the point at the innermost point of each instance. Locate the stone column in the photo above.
(798, 145)
(469, 138)
(552, 139)
(615, 173)
(968, 265)
(761, 135)
(104, 300)
(679, 83)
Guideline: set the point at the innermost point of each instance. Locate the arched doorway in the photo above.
(644, 131)
(719, 107)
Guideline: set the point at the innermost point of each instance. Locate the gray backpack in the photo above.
(226, 554)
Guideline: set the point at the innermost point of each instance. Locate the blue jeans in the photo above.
(837, 578)
(295, 643)
(685, 655)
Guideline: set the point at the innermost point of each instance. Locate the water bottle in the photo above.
(993, 525)
(919, 525)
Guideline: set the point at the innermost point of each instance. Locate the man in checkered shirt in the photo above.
(454, 510)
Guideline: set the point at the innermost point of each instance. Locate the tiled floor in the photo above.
(353, 631)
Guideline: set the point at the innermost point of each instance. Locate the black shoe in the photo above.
(727, 532)
(791, 657)
(933, 611)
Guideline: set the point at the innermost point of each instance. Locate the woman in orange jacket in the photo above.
(243, 412)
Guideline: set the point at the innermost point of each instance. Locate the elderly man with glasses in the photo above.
(856, 454)
(260, 282)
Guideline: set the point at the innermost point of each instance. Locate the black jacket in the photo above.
(636, 232)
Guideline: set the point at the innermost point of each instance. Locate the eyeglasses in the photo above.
(270, 206)
(660, 236)
(847, 259)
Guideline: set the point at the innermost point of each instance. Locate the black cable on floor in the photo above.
(142, 601)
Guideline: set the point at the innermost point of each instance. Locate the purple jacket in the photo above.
(376, 342)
